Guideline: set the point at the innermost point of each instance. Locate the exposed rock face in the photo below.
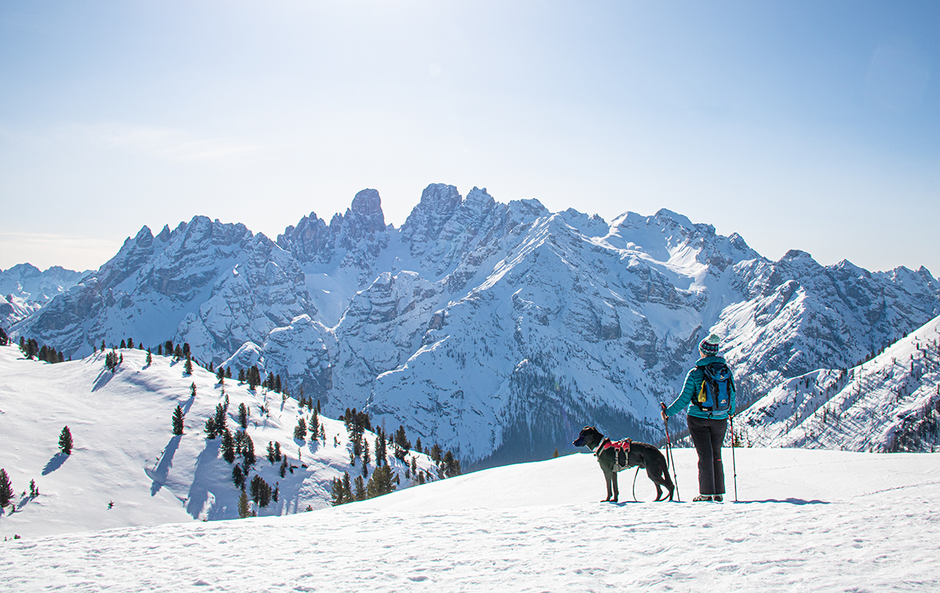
(497, 330)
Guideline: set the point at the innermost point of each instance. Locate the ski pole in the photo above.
(670, 460)
(734, 466)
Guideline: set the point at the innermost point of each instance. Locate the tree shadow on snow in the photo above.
(206, 474)
(55, 463)
(159, 474)
(103, 378)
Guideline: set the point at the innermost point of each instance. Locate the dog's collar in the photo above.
(601, 446)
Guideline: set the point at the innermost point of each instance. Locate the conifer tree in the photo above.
(4, 338)
(130, 342)
(254, 377)
(248, 450)
(221, 418)
(188, 369)
(451, 465)
(277, 451)
(178, 421)
(149, 358)
(33, 489)
(6, 489)
(192, 390)
(243, 415)
(228, 446)
(271, 452)
(283, 469)
(123, 345)
(65, 441)
(238, 476)
(220, 375)
(300, 431)
(244, 507)
(360, 489)
(381, 482)
(211, 431)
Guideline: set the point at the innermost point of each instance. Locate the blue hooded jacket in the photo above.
(693, 382)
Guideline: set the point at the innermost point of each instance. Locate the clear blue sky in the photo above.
(809, 125)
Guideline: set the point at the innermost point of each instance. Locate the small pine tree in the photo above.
(188, 369)
(248, 450)
(149, 358)
(271, 452)
(381, 482)
(6, 489)
(178, 421)
(360, 489)
(33, 489)
(238, 476)
(65, 441)
(243, 415)
(300, 431)
(192, 390)
(277, 451)
(228, 446)
(244, 507)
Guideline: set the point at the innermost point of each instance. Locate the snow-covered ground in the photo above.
(125, 452)
(806, 521)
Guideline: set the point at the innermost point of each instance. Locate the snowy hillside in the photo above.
(125, 452)
(807, 521)
(492, 328)
(889, 403)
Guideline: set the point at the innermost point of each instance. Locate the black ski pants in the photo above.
(707, 436)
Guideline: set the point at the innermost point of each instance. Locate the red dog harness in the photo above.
(622, 449)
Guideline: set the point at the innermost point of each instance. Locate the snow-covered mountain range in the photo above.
(495, 329)
(24, 289)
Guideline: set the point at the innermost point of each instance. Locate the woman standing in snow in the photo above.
(709, 394)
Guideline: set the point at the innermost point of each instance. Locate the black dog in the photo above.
(631, 454)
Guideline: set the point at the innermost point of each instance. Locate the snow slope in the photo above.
(807, 521)
(125, 451)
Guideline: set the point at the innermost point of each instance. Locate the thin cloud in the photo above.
(166, 143)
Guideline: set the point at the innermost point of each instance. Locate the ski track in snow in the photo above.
(812, 520)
